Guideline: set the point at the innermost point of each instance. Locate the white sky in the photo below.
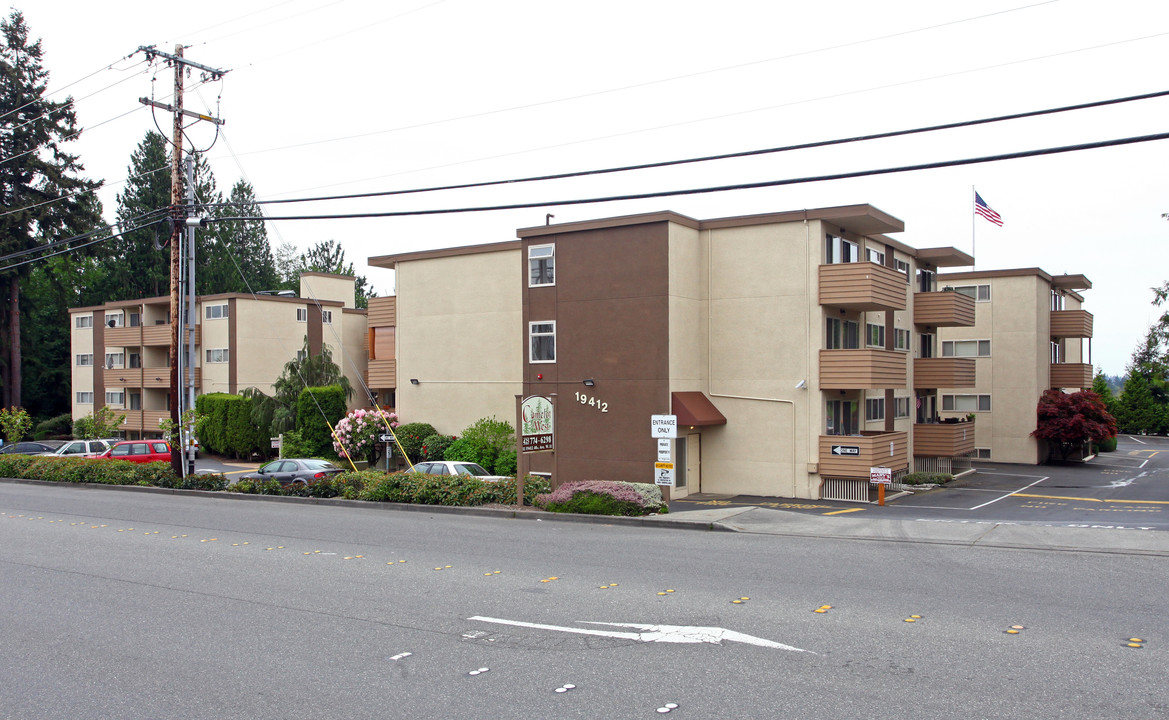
(341, 96)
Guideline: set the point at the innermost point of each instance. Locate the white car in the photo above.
(456, 467)
(80, 448)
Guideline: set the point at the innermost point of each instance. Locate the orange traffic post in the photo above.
(881, 494)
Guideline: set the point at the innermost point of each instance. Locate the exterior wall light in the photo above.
(589, 382)
(413, 381)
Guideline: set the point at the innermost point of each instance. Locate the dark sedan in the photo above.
(293, 471)
(28, 448)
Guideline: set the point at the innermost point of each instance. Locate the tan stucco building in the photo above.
(120, 350)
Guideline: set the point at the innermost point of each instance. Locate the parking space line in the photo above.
(1142, 442)
(985, 472)
(841, 512)
(1009, 494)
(1099, 500)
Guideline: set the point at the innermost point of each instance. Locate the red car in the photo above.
(140, 451)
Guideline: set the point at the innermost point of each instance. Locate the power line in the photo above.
(724, 156)
(59, 243)
(102, 185)
(726, 188)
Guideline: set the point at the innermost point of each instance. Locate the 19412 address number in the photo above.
(592, 402)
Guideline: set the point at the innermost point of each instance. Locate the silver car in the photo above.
(79, 448)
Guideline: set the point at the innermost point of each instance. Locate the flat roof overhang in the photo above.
(944, 257)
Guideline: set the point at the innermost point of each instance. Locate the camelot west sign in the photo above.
(536, 431)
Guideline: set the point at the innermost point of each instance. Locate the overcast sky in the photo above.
(330, 97)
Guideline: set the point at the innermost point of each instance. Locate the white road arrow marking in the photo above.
(654, 633)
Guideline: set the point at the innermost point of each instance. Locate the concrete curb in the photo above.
(649, 521)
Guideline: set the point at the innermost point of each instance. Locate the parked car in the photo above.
(455, 467)
(27, 448)
(292, 471)
(81, 448)
(139, 451)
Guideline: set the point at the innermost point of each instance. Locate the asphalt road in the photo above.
(122, 604)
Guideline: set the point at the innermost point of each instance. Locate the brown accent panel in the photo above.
(862, 286)
(383, 374)
(1071, 375)
(943, 309)
(382, 341)
(233, 346)
(943, 372)
(99, 359)
(382, 311)
(315, 330)
(862, 369)
(695, 409)
(943, 439)
(873, 449)
(124, 336)
(1071, 324)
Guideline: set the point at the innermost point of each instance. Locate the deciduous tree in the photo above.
(1069, 420)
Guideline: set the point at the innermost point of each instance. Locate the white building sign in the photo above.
(663, 426)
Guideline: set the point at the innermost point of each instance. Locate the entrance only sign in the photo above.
(663, 426)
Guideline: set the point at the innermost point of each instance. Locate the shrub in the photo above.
(651, 495)
(534, 486)
(315, 409)
(293, 446)
(927, 478)
(14, 423)
(358, 434)
(101, 423)
(433, 446)
(56, 427)
(1106, 445)
(505, 464)
(483, 442)
(213, 481)
(411, 437)
(248, 486)
(594, 497)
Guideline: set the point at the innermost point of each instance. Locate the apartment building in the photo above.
(121, 350)
(797, 349)
(1030, 334)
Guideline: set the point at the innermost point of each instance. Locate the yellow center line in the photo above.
(1084, 499)
(840, 512)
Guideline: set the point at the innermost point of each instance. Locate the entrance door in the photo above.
(687, 466)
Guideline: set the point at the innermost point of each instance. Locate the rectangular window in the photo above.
(841, 417)
(327, 316)
(541, 265)
(135, 401)
(215, 312)
(874, 256)
(874, 409)
(114, 360)
(839, 250)
(843, 334)
(135, 319)
(966, 348)
(301, 355)
(874, 335)
(980, 293)
(901, 407)
(926, 281)
(85, 398)
(542, 342)
(966, 403)
(302, 314)
(217, 355)
(981, 453)
(927, 345)
(903, 267)
(135, 360)
(900, 339)
(85, 360)
(1056, 300)
(115, 397)
(84, 321)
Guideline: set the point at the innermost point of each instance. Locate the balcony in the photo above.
(143, 420)
(943, 439)
(862, 286)
(862, 369)
(383, 311)
(943, 309)
(851, 456)
(123, 336)
(160, 335)
(943, 372)
(1071, 324)
(382, 374)
(1071, 375)
(159, 377)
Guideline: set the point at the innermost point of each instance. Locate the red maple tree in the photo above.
(1068, 420)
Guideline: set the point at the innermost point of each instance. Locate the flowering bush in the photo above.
(594, 497)
(357, 434)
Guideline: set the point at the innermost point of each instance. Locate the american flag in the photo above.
(981, 208)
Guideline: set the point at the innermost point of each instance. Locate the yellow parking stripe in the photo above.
(840, 512)
(1084, 499)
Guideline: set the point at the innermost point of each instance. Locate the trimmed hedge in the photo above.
(314, 405)
(104, 472)
(927, 478)
(601, 497)
(226, 426)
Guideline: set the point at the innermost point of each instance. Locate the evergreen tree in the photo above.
(44, 197)
(237, 256)
(1101, 387)
(328, 256)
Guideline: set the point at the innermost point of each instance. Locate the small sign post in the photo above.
(664, 452)
(882, 476)
(663, 426)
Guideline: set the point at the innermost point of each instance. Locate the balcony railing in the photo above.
(943, 309)
(943, 439)
(1071, 324)
(382, 374)
(851, 456)
(943, 372)
(862, 286)
(160, 335)
(856, 369)
(143, 420)
(1071, 375)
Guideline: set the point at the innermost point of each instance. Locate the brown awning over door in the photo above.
(695, 409)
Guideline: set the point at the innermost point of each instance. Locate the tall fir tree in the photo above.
(41, 189)
(237, 256)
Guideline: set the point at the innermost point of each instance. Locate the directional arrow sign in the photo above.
(654, 633)
(846, 450)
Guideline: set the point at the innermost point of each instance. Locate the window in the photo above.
(1056, 300)
(542, 342)
(217, 355)
(839, 250)
(541, 265)
(115, 397)
(966, 348)
(86, 359)
(874, 335)
(114, 320)
(966, 403)
(874, 409)
(926, 281)
(927, 345)
(981, 293)
(135, 401)
(841, 418)
(301, 355)
(84, 321)
(981, 453)
(903, 267)
(135, 319)
(114, 360)
(215, 312)
(874, 256)
(135, 360)
(327, 316)
(901, 407)
(302, 314)
(900, 339)
(1055, 353)
(843, 334)
(85, 398)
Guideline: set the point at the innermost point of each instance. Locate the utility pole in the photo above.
(178, 215)
(189, 432)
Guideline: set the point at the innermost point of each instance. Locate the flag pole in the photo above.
(973, 225)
